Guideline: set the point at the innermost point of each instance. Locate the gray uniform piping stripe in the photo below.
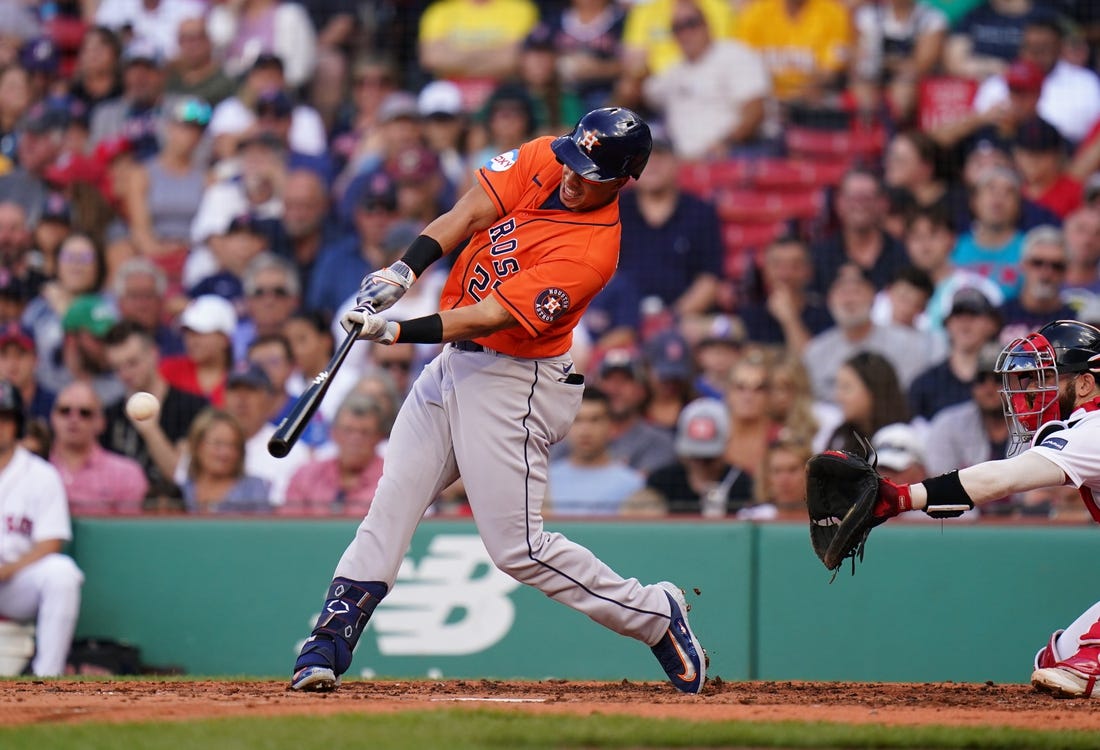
(527, 508)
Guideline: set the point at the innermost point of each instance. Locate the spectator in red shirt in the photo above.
(97, 481)
(208, 324)
(1040, 155)
(343, 485)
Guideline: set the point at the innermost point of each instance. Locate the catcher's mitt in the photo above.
(841, 491)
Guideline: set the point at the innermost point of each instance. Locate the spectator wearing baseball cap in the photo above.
(340, 268)
(422, 191)
(208, 324)
(900, 452)
(718, 347)
(250, 397)
(163, 194)
(699, 482)
(624, 378)
(972, 322)
(40, 58)
(140, 113)
(18, 363)
(275, 115)
(671, 373)
(235, 117)
(40, 142)
(1040, 154)
(444, 125)
(244, 239)
(83, 357)
(1070, 95)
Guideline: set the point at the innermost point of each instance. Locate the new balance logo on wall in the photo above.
(454, 602)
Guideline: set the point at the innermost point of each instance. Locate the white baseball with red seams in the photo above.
(142, 406)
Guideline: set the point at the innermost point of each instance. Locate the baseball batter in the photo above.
(543, 229)
(1052, 403)
(37, 582)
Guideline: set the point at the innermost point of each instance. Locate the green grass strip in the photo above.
(459, 730)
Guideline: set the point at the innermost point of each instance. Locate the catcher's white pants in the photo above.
(47, 591)
(1068, 643)
(491, 419)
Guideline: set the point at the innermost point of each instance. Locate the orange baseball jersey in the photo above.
(544, 265)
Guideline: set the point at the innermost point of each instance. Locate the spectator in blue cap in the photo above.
(338, 270)
(139, 113)
(40, 58)
(41, 138)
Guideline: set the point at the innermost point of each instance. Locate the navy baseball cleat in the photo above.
(679, 651)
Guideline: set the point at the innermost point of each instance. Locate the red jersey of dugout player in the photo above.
(1052, 403)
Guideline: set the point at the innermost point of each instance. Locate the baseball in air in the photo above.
(142, 406)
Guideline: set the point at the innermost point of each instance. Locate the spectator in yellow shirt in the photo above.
(649, 46)
(475, 43)
(805, 43)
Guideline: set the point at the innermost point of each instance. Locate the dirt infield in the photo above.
(27, 702)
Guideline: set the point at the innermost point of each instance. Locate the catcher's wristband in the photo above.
(423, 251)
(946, 496)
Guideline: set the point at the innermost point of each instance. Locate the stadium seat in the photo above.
(836, 146)
(796, 174)
(743, 241)
(746, 206)
(704, 178)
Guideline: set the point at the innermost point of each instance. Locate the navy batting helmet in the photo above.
(11, 402)
(606, 144)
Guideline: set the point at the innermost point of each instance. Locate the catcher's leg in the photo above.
(1070, 663)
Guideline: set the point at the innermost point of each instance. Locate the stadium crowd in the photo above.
(849, 208)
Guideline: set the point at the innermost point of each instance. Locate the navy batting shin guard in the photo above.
(347, 609)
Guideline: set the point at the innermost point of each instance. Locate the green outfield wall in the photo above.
(931, 602)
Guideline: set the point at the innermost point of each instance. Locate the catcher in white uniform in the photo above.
(1052, 403)
(36, 581)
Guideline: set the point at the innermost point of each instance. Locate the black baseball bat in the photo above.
(290, 429)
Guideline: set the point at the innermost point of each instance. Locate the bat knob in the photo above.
(278, 448)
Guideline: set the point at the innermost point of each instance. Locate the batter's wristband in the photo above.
(947, 497)
(426, 330)
(422, 253)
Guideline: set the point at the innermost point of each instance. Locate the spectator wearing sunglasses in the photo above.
(97, 481)
(271, 295)
(1043, 267)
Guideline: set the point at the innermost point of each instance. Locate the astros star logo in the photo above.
(551, 306)
(589, 140)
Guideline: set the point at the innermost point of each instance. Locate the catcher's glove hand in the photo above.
(846, 498)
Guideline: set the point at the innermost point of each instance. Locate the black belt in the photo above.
(468, 346)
